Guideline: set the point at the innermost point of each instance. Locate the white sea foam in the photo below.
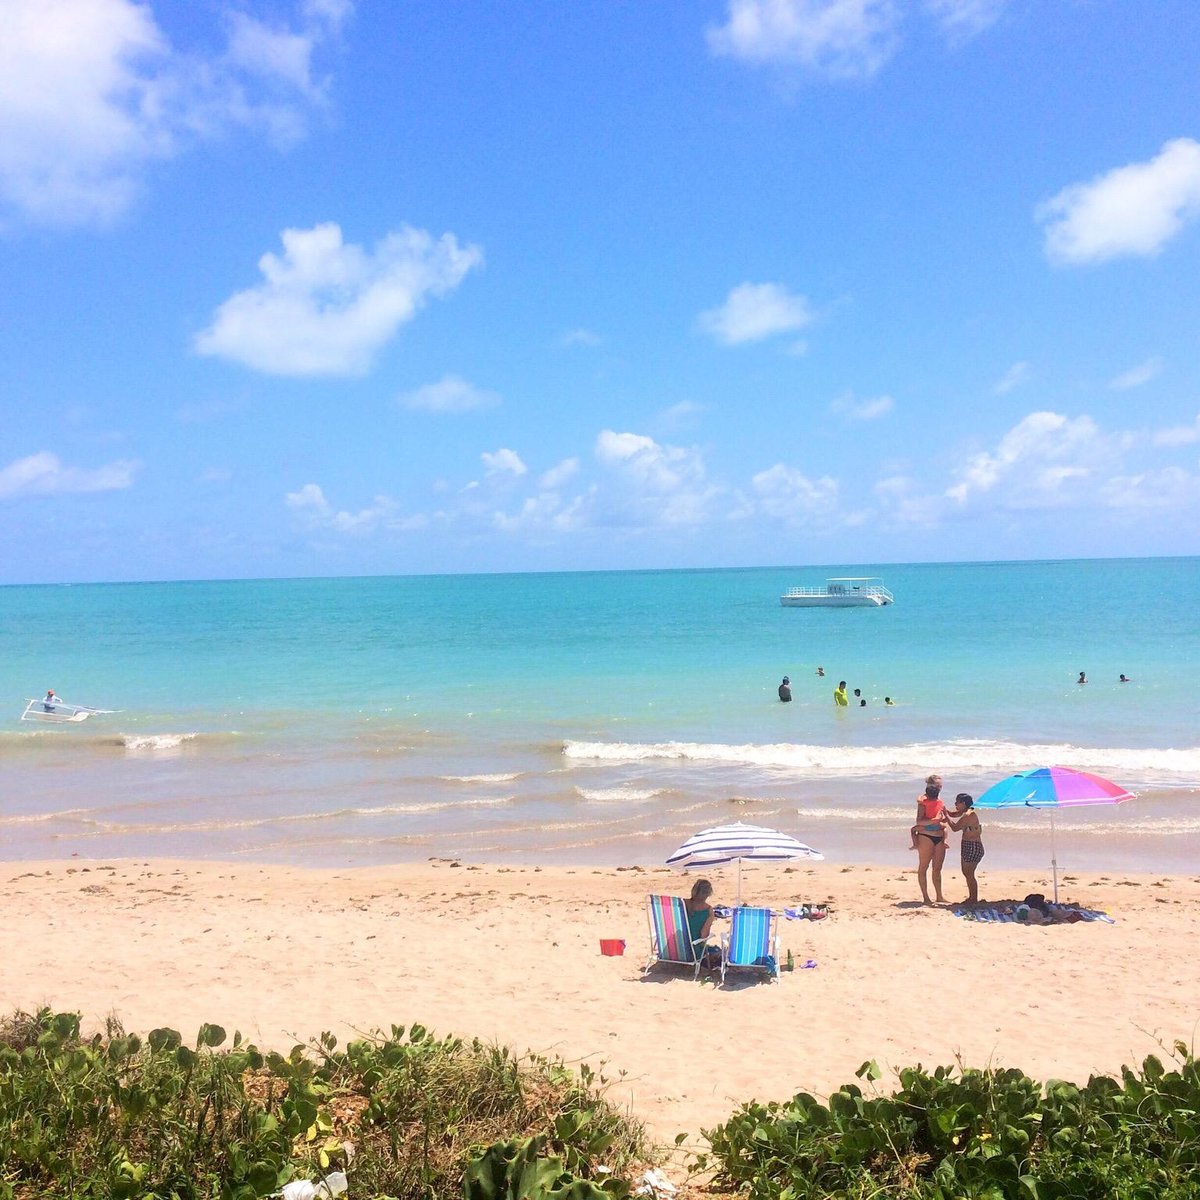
(156, 741)
(629, 795)
(960, 757)
(501, 777)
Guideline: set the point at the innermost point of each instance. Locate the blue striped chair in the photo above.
(752, 943)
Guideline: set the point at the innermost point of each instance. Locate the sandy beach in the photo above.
(512, 954)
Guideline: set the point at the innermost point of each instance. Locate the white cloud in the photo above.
(962, 20)
(310, 504)
(559, 474)
(657, 486)
(1178, 435)
(1131, 210)
(790, 495)
(839, 38)
(581, 337)
(449, 395)
(754, 311)
(870, 409)
(44, 474)
(1013, 378)
(92, 92)
(327, 307)
(1162, 489)
(504, 462)
(1137, 376)
(1034, 462)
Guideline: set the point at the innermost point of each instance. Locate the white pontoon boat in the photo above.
(840, 593)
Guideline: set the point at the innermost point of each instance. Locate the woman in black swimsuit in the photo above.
(931, 837)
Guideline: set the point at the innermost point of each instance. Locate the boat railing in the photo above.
(841, 589)
(58, 711)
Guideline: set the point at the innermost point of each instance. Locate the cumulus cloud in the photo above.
(754, 311)
(92, 92)
(1130, 211)
(1137, 376)
(870, 409)
(656, 485)
(838, 38)
(1013, 378)
(788, 494)
(44, 474)
(1034, 461)
(326, 307)
(311, 506)
(1178, 435)
(559, 474)
(503, 462)
(449, 395)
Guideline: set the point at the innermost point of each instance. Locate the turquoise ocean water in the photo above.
(596, 718)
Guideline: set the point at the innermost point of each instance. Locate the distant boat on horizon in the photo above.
(849, 592)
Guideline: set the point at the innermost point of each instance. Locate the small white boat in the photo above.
(59, 712)
(864, 592)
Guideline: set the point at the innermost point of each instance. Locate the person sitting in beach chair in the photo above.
(752, 943)
(680, 930)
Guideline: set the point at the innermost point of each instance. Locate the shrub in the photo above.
(115, 1117)
(961, 1132)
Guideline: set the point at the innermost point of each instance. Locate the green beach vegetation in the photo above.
(992, 1134)
(405, 1114)
(409, 1115)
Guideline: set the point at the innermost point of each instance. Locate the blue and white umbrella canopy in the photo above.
(724, 844)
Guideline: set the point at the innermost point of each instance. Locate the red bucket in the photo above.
(613, 947)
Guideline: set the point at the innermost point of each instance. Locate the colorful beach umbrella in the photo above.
(724, 844)
(1052, 788)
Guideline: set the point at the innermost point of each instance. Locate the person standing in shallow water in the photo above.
(785, 691)
(839, 695)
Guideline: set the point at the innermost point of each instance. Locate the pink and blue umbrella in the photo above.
(1052, 787)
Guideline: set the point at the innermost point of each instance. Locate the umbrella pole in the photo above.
(737, 903)
(1053, 857)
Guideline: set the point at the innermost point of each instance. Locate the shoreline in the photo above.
(510, 954)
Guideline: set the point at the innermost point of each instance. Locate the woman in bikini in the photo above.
(930, 835)
(966, 820)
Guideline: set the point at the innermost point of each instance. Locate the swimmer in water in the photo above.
(1082, 678)
(1125, 679)
(820, 672)
(785, 690)
(889, 702)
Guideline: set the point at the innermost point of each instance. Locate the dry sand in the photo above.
(512, 954)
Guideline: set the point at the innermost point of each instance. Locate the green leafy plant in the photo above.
(114, 1116)
(963, 1132)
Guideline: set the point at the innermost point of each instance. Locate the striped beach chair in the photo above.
(751, 944)
(670, 938)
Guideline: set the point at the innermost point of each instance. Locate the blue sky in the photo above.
(311, 287)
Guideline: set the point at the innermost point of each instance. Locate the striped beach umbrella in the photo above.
(724, 844)
(1052, 787)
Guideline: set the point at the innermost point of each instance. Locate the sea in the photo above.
(598, 718)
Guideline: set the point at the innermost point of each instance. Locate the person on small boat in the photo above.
(785, 690)
(50, 701)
